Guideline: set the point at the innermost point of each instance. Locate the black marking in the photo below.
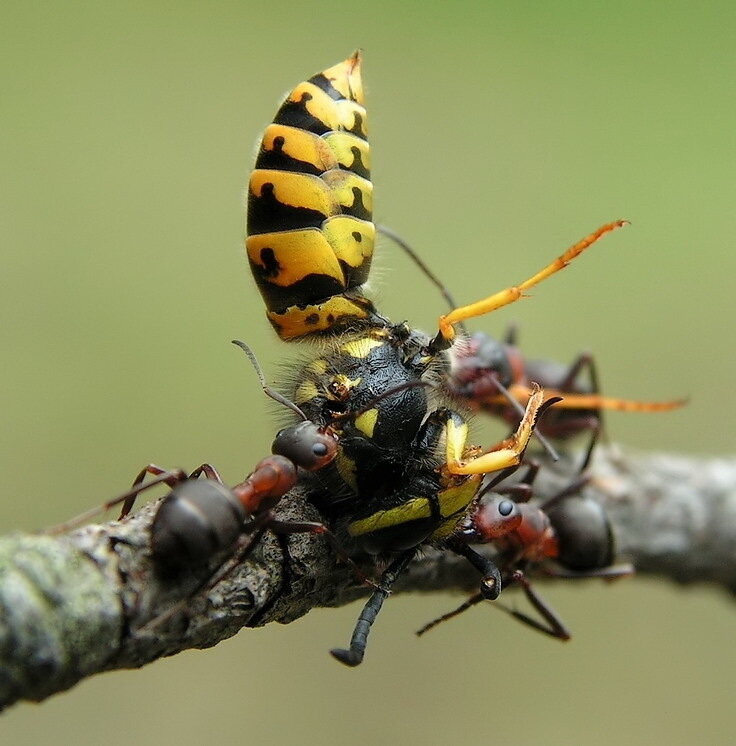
(271, 267)
(325, 85)
(312, 319)
(357, 166)
(310, 290)
(267, 215)
(277, 160)
(357, 209)
(357, 128)
(295, 114)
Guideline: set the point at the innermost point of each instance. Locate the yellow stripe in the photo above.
(293, 322)
(411, 510)
(305, 392)
(335, 115)
(302, 145)
(360, 348)
(298, 190)
(342, 145)
(346, 469)
(341, 231)
(318, 367)
(345, 77)
(352, 117)
(453, 504)
(342, 183)
(366, 422)
(297, 254)
(457, 436)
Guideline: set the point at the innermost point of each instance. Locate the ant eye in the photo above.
(319, 449)
(506, 508)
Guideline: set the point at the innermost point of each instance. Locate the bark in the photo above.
(81, 603)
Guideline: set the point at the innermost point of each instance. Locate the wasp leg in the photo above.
(354, 655)
(446, 333)
(490, 583)
(505, 454)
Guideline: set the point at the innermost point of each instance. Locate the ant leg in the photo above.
(612, 572)
(572, 489)
(512, 335)
(157, 471)
(354, 655)
(169, 477)
(314, 527)
(551, 625)
(472, 601)
(585, 361)
(246, 544)
(209, 472)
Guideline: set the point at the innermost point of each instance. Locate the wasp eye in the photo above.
(319, 449)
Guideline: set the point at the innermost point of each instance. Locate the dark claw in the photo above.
(490, 587)
(348, 657)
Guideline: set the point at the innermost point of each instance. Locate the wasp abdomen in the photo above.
(310, 231)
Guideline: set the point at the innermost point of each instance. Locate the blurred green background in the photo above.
(501, 133)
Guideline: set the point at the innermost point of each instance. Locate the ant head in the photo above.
(308, 446)
(495, 517)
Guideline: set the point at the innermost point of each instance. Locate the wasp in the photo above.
(569, 535)
(403, 474)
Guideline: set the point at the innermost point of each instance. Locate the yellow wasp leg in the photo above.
(512, 294)
(590, 401)
(504, 454)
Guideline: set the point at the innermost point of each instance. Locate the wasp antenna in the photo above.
(426, 271)
(267, 390)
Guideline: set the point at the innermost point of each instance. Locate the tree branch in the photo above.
(78, 604)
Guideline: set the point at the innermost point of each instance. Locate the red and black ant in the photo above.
(495, 377)
(202, 518)
(572, 531)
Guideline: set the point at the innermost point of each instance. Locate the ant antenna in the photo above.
(267, 390)
(389, 392)
(520, 410)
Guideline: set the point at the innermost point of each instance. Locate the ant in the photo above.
(571, 530)
(201, 518)
(494, 376)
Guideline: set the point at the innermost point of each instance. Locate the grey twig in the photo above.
(78, 604)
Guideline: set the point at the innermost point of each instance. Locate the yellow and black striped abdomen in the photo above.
(310, 230)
